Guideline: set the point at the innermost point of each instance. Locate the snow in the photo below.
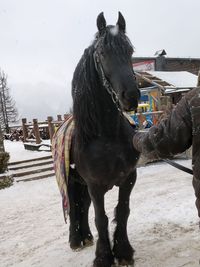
(163, 223)
(18, 153)
(179, 79)
(114, 30)
(171, 91)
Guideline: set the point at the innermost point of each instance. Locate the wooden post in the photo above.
(141, 119)
(59, 117)
(36, 131)
(51, 127)
(166, 103)
(66, 116)
(24, 129)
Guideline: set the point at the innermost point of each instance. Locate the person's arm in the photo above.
(171, 136)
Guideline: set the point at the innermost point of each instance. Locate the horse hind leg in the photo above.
(79, 231)
(86, 235)
(122, 249)
(74, 215)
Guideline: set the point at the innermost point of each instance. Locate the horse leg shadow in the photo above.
(79, 230)
(122, 249)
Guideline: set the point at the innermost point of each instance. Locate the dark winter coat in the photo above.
(175, 134)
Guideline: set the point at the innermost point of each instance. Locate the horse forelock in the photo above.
(113, 40)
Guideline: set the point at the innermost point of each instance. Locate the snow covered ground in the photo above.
(163, 223)
(17, 151)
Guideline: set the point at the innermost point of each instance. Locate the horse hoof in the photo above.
(100, 262)
(126, 262)
(88, 242)
(76, 247)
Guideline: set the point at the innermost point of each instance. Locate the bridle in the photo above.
(105, 82)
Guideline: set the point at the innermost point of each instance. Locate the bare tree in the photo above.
(8, 110)
(2, 149)
(198, 79)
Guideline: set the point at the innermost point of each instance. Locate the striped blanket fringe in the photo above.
(61, 144)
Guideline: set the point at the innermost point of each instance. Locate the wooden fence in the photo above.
(41, 130)
(36, 131)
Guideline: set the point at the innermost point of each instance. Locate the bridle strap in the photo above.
(106, 83)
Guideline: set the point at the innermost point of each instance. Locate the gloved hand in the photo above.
(137, 141)
(142, 144)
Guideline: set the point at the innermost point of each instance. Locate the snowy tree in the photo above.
(8, 111)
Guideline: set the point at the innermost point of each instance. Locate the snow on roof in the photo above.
(179, 79)
(171, 91)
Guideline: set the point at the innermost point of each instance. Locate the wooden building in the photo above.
(160, 91)
(156, 84)
(164, 63)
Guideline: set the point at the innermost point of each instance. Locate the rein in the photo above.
(178, 166)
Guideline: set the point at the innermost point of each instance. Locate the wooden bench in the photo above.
(36, 147)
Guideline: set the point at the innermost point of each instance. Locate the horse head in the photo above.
(113, 60)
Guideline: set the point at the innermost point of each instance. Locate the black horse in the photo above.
(103, 86)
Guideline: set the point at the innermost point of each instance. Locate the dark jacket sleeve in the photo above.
(171, 136)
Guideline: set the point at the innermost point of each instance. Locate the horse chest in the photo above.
(108, 163)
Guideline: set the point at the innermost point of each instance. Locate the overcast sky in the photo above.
(42, 41)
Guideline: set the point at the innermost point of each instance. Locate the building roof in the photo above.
(178, 79)
(141, 58)
(167, 81)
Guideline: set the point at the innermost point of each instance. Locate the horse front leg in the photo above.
(104, 256)
(122, 249)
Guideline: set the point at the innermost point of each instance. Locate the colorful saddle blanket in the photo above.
(61, 145)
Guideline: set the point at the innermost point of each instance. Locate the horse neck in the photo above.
(95, 114)
(107, 114)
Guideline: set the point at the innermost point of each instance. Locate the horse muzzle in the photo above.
(129, 105)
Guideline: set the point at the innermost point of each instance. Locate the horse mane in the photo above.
(87, 91)
(84, 85)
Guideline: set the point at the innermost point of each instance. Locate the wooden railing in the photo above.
(37, 130)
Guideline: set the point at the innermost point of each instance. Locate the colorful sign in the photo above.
(148, 65)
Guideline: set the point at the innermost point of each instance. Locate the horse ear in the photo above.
(121, 22)
(101, 22)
